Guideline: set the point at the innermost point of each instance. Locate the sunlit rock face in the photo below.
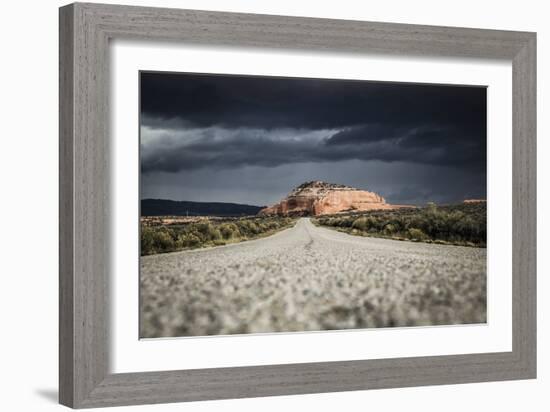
(321, 198)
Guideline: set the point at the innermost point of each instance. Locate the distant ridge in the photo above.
(164, 207)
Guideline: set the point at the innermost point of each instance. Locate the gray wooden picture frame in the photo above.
(85, 31)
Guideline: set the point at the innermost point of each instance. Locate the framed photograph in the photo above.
(256, 205)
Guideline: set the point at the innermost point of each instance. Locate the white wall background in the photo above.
(28, 205)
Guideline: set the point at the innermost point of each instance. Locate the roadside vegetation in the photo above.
(461, 224)
(206, 232)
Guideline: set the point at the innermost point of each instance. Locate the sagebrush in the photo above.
(207, 232)
(462, 224)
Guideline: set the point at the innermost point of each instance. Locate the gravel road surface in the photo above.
(310, 278)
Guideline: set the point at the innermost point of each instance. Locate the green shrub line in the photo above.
(208, 233)
(462, 224)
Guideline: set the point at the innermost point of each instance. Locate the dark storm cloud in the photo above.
(365, 134)
(223, 148)
(271, 102)
(429, 124)
(452, 145)
(207, 127)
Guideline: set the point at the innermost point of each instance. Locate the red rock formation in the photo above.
(320, 198)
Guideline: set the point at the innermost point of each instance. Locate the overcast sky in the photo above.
(250, 140)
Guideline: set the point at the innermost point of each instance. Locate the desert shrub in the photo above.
(374, 223)
(337, 221)
(360, 223)
(207, 232)
(431, 207)
(229, 230)
(157, 240)
(416, 234)
(190, 240)
(328, 222)
(147, 241)
(464, 224)
(204, 228)
(215, 234)
(164, 240)
(389, 229)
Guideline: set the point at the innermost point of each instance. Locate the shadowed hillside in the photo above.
(162, 207)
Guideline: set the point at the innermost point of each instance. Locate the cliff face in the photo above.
(320, 198)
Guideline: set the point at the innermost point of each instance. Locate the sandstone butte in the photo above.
(320, 198)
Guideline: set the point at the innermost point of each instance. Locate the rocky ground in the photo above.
(310, 278)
